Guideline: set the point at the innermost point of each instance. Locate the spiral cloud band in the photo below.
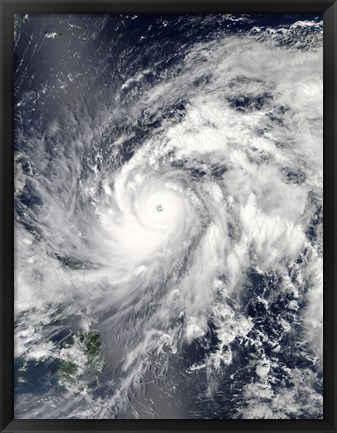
(168, 199)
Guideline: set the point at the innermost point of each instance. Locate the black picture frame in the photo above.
(7, 9)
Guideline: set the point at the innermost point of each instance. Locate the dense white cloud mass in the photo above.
(176, 211)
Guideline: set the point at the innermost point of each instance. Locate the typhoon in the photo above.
(168, 216)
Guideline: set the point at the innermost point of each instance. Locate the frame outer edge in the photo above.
(5, 424)
(334, 126)
(6, 218)
(2, 328)
(330, 216)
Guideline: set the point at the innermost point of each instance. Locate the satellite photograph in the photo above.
(168, 216)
